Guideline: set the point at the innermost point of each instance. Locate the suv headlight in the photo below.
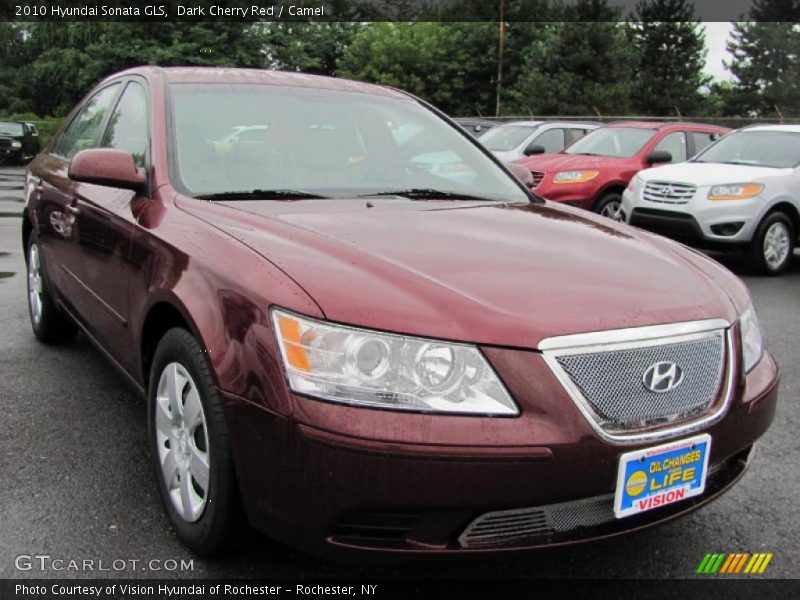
(16, 144)
(634, 184)
(735, 191)
(382, 370)
(575, 176)
(752, 338)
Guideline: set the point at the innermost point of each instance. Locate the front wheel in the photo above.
(191, 448)
(772, 247)
(610, 206)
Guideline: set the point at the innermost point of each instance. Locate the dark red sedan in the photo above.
(594, 171)
(356, 330)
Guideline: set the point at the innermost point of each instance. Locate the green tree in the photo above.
(766, 59)
(672, 55)
(307, 47)
(427, 59)
(576, 66)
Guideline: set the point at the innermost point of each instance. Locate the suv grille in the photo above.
(630, 386)
(668, 193)
(5, 142)
(537, 178)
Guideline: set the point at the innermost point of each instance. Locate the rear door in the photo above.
(56, 209)
(107, 225)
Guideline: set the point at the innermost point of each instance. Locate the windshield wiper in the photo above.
(430, 194)
(261, 195)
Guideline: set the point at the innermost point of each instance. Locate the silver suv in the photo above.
(741, 192)
(512, 141)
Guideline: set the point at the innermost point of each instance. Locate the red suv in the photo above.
(593, 172)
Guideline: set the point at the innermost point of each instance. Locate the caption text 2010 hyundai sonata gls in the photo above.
(358, 352)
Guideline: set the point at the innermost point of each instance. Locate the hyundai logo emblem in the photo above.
(662, 377)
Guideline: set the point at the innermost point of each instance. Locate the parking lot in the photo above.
(77, 482)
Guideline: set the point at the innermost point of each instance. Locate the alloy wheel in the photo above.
(182, 441)
(776, 245)
(35, 290)
(612, 210)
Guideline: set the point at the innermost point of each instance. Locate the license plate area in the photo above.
(661, 475)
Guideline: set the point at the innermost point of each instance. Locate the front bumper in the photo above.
(699, 221)
(334, 479)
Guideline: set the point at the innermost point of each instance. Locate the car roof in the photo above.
(664, 125)
(260, 77)
(775, 127)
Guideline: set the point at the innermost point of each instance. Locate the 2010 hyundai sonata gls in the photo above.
(357, 348)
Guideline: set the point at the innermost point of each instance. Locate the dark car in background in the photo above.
(593, 172)
(357, 351)
(19, 142)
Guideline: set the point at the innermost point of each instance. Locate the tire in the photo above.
(610, 205)
(49, 324)
(770, 252)
(202, 502)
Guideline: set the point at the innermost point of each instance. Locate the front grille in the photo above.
(537, 178)
(646, 383)
(5, 143)
(612, 381)
(668, 193)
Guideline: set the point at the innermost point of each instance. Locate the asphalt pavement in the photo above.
(75, 479)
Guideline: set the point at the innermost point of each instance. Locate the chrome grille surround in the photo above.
(665, 192)
(666, 415)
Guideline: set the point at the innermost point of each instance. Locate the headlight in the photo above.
(634, 184)
(575, 176)
(16, 144)
(382, 370)
(735, 191)
(752, 338)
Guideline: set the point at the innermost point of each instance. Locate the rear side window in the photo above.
(85, 127)
(702, 139)
(127, 128)
(675, 144)
(551, 140)
(573, 135)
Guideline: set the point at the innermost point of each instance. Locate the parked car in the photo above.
(519, 139)
(476, 127)
(741, 194)
(594, 171)
(360, 355)
(19, 142)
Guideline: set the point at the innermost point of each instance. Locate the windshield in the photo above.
(621, 142)
(9, 128)
(330, 143)
(777, 149)
(506, 137)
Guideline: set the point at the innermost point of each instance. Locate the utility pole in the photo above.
(500, 47)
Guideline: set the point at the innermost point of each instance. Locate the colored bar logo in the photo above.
(731, 564)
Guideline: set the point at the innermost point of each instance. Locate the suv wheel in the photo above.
(48, 323)
(772, 247)
(610, 206)
(191, 448)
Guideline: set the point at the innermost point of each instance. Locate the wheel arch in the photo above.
(616, 186)
(790, 210)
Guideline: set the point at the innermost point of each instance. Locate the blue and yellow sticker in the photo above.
(661, 475)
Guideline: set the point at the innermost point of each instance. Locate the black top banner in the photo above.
(384, 10)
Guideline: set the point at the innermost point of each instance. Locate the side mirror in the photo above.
(659, 156)
(107, 166)
(521, 173)
(533, 150)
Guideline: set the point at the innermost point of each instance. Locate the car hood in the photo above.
(507, 275)
(566, 162)
(698, 173)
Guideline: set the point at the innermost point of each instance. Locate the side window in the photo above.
(675, 144)
(702, 139)
(127, 127)
(551, 140)
(85, 127)
(573, 135)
